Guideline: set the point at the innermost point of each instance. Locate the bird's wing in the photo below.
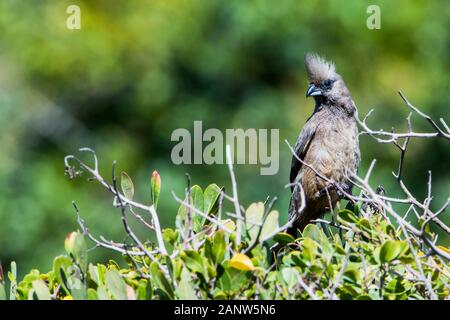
(301, 146)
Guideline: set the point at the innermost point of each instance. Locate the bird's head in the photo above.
(324, 83)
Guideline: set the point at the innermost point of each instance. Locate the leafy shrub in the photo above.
(372, 251)
(364, 257)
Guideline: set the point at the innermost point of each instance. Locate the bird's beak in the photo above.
(313, 91)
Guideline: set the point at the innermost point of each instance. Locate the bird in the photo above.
(328, 143)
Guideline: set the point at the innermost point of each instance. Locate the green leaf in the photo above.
(162, 295)
(365, 224)
(80, 252)
(219, 246)
(290, 276)
(127, 185)
(270, 224)
(75, 285)
(155, 187)
(229, 225)
(225, 281)
(195, 200)
(60, 265)
(208, 251)
(309, 248)
(253, 219)
(160, 281)
(211, 271)
(76, 248)
(142, 290)
(2, 292)
(314, 232)
(396, 287)
(404, 248)
(193, 260)
(351, 274)
(347, 215)
(297, 259)
(12, 275)
(198, 203)
(233, 278)
(388, 228)
(69, 242)
(102, 293)
(283, 238)
(220, 295)
(169, 236)
(390, 250)
(101, 269)
(92, 294)
(93, 273)
(185, 290)
(41, 290)
(211, 195)
(180, 219)
(115, 285)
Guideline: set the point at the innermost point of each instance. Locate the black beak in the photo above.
(313, 91)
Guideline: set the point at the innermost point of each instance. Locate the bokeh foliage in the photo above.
(137, 70)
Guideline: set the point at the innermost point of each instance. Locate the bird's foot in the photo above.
(343, 190)
(347, 188)
(325, 191)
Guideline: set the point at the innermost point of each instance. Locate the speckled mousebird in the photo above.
(328, 142)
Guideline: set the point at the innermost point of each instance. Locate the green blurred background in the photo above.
(137, 70)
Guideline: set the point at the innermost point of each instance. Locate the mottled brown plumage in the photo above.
(328, 142)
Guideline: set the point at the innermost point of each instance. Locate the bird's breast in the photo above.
(334, 152)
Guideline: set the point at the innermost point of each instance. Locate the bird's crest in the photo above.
(318, 69)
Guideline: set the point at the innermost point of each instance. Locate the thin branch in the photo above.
(257, 239)
(291, 221)
(197, 211)
(390, 137)
(127, 228)
(341, 272)
(402, 148)
(96, 176)
(99, 243)
(235, 196)
(307, 289)
(427, 283)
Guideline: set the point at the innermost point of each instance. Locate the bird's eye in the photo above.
(327, 83)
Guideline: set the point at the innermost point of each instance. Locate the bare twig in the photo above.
(291, 221)
(390, 137)
(427, 283)
(235, 195)
(199, 212)
(341, 272)
(96, 176)
(127, 228)
(103, 244)
(307, 289)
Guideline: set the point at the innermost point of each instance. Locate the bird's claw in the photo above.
(342, 190)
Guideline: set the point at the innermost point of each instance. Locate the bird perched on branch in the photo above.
(328, 143)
